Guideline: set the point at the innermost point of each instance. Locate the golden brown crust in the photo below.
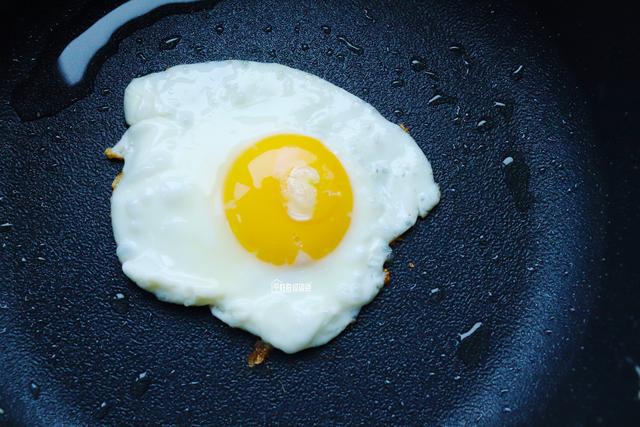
(112, 155)
(116, 180)
(259, 354)
(387, 276)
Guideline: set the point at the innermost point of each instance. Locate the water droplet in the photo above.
(418, 63)
(105, 92)
(507, 161)
(456, 49)
(517, 73)
(170, 42)
(329, 51)
(352, 47)
(398, 113)
(141, 384)
(219, 28)
(304, 46)
(326, 29)
(103, 108)
(397, 83)
(340, 57)
(484, 124)
(102, 410)
(504, 108)
(6, 227)
(35, 390)
(267, 29)
(506, 409)
(440, 99)
(120, 303)
(548, 332)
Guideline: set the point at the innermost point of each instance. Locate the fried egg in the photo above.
(265, 192)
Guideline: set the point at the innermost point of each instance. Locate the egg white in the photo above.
(187, 124)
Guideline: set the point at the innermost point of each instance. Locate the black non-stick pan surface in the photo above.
(534, 254)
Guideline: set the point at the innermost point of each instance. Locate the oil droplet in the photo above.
(6, 227)
(75, 58)
(120, 303)
(219, 28)
(505, 108)
(517, 73)
(367, 15)
(460, 50)
(431, 74)
(102, 410)
(35, 390)
(170, 42)
(65, 75)
(326, 29)
(141, 384)
(418, 64)
(267, 29)
(457, 117)
(397, 83)
(352, 47)
(441, 99)
(484, 125)
(472, 345)
(465, 335)
(436, 294)
(184, 418)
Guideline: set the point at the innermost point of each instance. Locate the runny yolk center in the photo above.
(288, 199)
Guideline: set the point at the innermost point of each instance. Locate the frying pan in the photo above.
(511, 311)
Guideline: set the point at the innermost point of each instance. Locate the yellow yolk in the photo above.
(288, 199)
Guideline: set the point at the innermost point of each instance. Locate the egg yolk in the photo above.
(288, 199)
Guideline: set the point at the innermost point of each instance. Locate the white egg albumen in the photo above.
(188, 124)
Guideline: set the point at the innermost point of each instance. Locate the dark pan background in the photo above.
(543, 252)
